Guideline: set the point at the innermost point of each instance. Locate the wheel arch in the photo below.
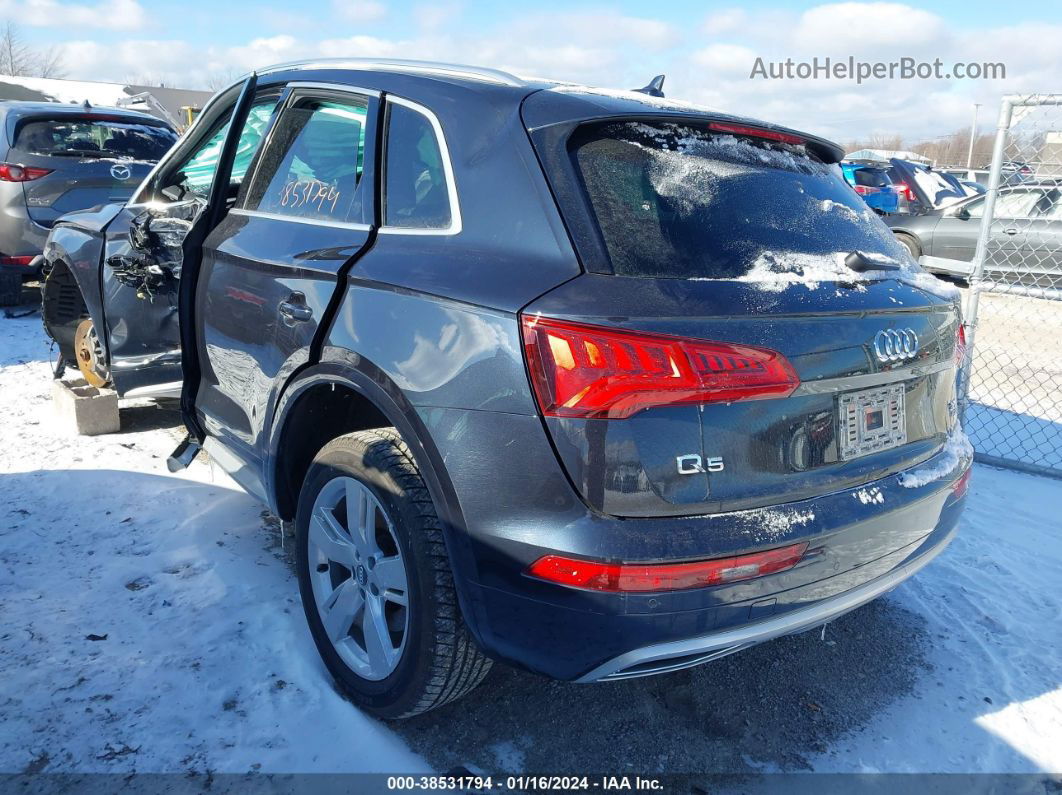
(366, 398)
(380, 401)
(65, 301)
(902, 232)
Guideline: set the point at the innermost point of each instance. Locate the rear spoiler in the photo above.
(566, 111)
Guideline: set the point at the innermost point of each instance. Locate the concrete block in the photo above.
(85, 409)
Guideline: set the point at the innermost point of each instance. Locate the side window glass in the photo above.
(314, 162)
(415, 190)
(1052, 210)
(976, 208)
(198, 170)
(1016, 204)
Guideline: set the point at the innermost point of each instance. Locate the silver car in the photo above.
(55, 159)
(1025, 236)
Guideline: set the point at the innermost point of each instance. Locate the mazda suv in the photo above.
(57, 158)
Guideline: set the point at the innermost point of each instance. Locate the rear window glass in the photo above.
(871, 177)
(679, 201)
(941, 189)
(87, 137)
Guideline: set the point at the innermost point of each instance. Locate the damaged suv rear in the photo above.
(588, 382)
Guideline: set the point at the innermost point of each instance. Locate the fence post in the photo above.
(1006, 112)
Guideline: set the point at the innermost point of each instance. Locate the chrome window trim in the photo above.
(298, 220)
(448, 172)
(349, 89)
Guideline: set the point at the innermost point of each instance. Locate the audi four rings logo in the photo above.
(121, 172)
(891, 345)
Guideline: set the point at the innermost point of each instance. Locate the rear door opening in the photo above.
(774, 341)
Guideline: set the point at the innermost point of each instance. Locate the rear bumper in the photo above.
(861, 542)
(675, 655)
(31, 270)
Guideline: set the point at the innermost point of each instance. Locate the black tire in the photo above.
(440, 661)
(911, 244)
(10, 289)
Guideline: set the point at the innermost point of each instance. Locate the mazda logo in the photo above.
(121, 172)
(891, 345)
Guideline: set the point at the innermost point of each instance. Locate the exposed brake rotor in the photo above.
(88, 350)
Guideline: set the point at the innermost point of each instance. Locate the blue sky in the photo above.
(706, 50)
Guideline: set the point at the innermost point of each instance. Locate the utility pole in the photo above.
(973, 137)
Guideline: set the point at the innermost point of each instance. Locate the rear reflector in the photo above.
(10, 172)
(755, 132)
(962, 485)
(960, 346)
(17, 260)
(581, 370)
(625, 577)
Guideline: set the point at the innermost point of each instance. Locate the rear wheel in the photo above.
(10, 288)
(909, 243)
(376, 582)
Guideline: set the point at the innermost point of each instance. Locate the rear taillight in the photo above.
(866, 190)
(903, 189)
(598, 576)
(581, 370)
(755, 132)
(10, 172)
(17, 260)
(960, 346)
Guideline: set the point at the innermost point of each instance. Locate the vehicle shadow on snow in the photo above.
(768, 707)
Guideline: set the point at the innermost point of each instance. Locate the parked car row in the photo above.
(524, 394)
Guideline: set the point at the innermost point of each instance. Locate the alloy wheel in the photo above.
(359, 578)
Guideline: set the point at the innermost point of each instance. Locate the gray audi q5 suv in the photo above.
(584, 381)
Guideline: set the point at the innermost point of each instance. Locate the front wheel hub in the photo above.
(88, 351)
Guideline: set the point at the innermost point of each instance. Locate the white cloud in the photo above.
(435, 15)
(359, 47)
(110, 14)
(730, 58)
(866, 26)
(724, 21)
(359, 10)
(622, 51)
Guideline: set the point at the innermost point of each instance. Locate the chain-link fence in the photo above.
(1013, 409)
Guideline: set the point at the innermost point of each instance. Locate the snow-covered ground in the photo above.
(150, 622)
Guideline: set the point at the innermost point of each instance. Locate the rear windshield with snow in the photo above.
(679, 201)
(73, 136)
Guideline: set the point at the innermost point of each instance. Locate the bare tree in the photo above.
(50, 63)
(20, 60)
(222, 79)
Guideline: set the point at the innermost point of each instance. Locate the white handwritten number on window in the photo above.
(297, 193)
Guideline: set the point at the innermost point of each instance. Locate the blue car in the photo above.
(874, 185)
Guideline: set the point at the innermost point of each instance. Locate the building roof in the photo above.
(46, 89)
(885, 154)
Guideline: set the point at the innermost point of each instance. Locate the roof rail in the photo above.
(403, 65)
